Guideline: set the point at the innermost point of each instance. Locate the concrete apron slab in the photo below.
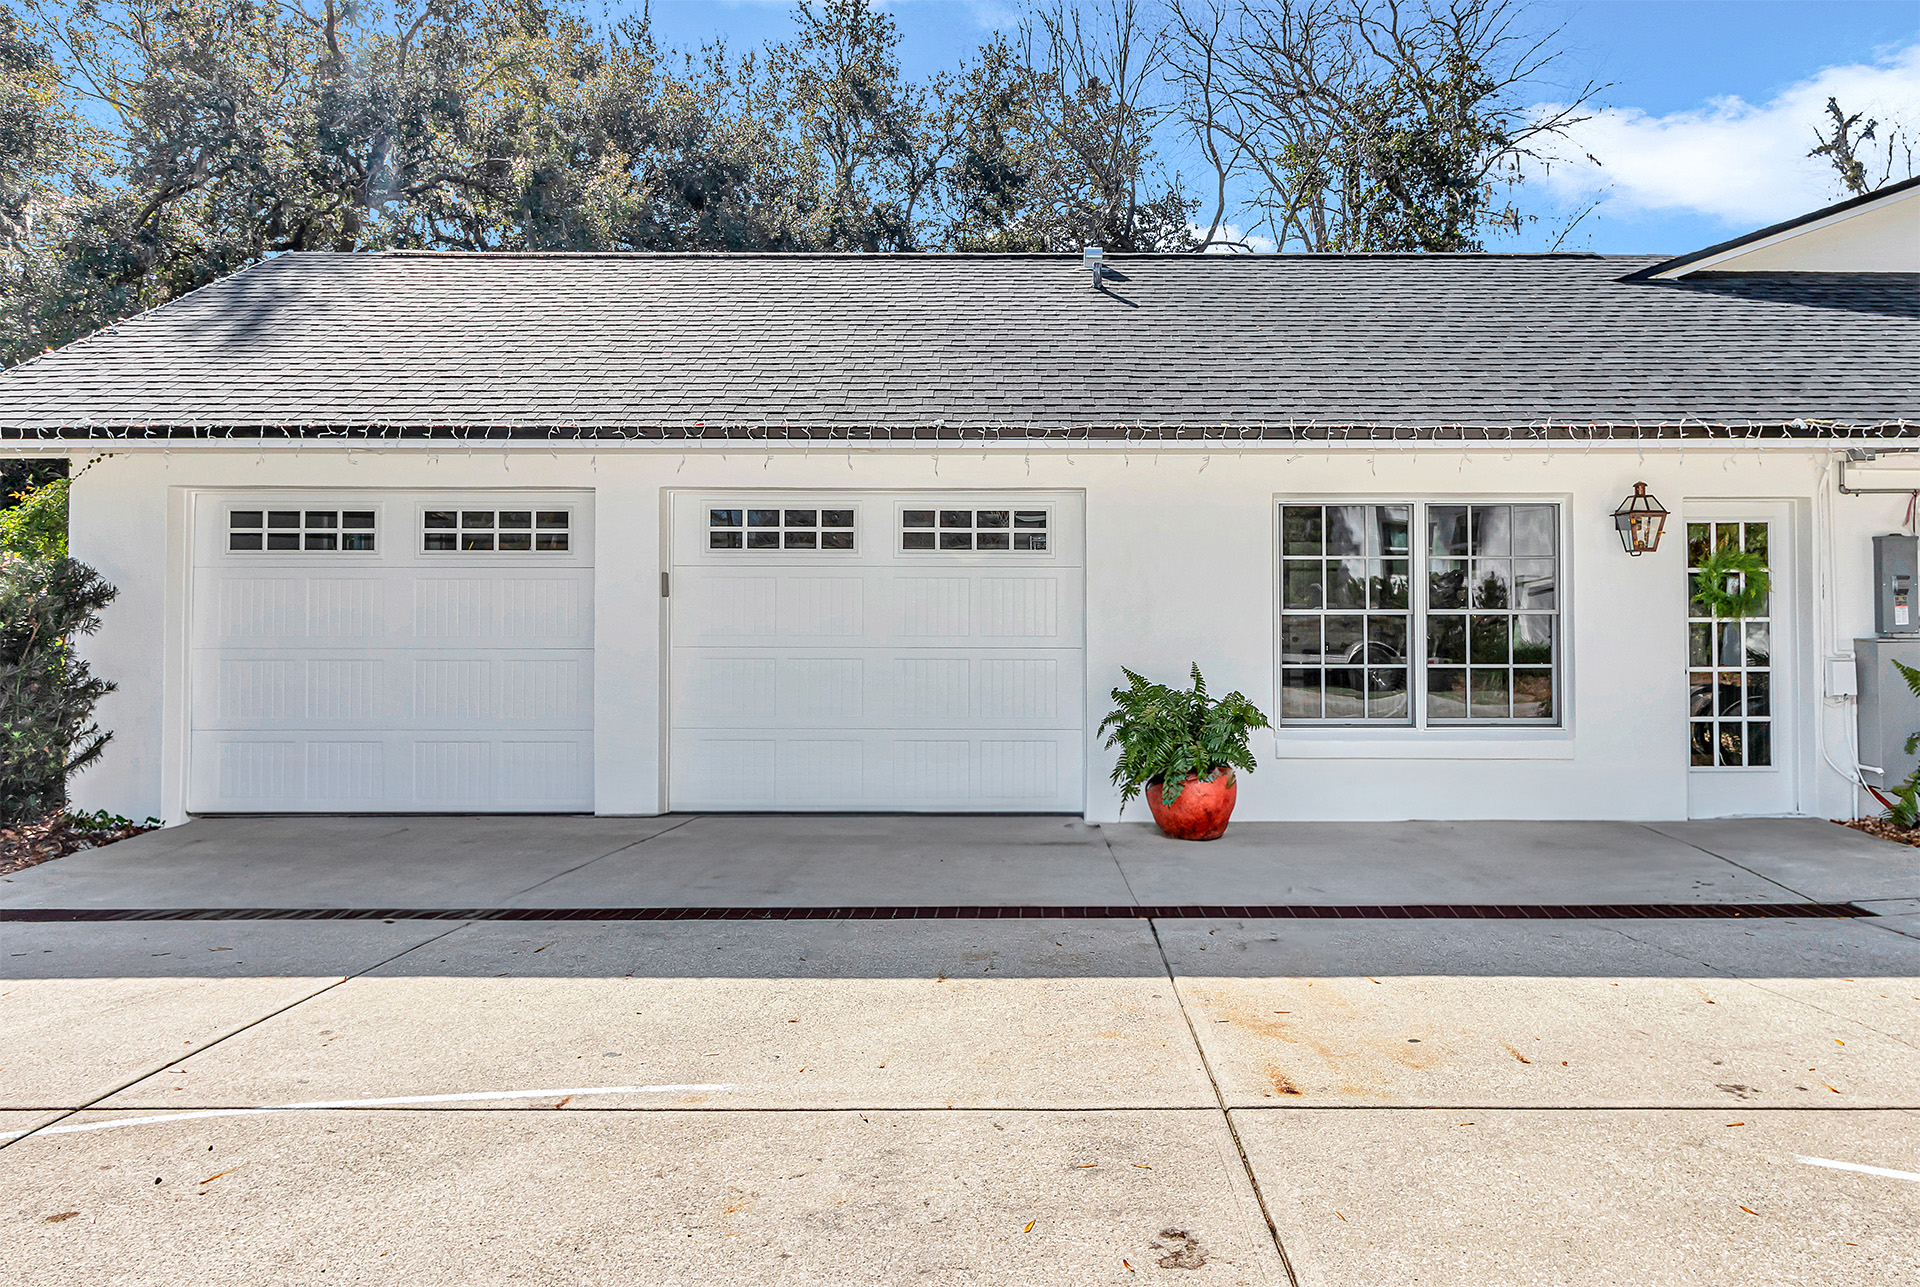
(1657, 1199)
(786, 1015)
(664, 1198)
(328, 862)
(1431, 862)
(815, 860)
(1824, 861)
(849, 861)
(1563, 1014)
(86, 1008)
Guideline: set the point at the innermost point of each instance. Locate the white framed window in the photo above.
(773, 527)
(308, 531)
(968, 530)
(496, 531)
(1420, 613)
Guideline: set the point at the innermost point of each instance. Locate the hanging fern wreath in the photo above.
(1732, 583)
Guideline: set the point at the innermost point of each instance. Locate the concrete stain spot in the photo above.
(1736, 1090)
(56, 1219)
(1281, 1083)
(1183, 1250)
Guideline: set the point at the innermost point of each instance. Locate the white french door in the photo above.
(1740, 671)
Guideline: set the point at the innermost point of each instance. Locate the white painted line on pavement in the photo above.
(389, 1101)
(1864, 1170)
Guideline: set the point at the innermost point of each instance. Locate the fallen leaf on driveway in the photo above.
(211, 1178)
(1750, 1211)
(1029, 1228)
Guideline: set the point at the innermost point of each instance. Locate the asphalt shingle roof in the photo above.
(665, 342)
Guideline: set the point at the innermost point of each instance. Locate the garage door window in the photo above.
(973, 529)
(317, 531)
(506, 531)
(780, 529)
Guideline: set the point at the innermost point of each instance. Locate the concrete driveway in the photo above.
(833, 861)
(1189, 1100)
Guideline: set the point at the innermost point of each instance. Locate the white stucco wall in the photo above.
(1180, 567)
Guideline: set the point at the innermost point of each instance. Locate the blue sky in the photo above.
(1710, 111)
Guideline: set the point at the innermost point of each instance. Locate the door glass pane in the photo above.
(1700, 743)
(1730, 685)
(1730, 745)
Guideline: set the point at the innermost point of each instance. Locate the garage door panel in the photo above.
(876, 688)
(999, 770)
(524, 688)
(881, 677)
(473, 611)
(394, 772)
(398, 678)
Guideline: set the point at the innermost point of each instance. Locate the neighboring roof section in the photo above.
(1875, 233)
(792, 345)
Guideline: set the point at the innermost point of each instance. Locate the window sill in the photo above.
(1423, 744)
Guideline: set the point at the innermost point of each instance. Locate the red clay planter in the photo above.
(1201, 812)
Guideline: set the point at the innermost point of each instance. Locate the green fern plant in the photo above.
(1905, 810)
(1166, 735)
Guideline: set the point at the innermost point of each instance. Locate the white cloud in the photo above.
(1232, 233)
(1740, 162)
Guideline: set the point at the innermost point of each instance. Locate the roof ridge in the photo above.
(976, 256)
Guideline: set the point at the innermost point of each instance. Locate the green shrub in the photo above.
(47, 694)
(35, 527)
(1905, 811)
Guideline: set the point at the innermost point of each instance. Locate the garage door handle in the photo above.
(663, 584)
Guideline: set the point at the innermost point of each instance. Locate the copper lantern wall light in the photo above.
(1640, 520)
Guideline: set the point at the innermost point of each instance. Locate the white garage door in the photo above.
(877, 651)
(385, 651)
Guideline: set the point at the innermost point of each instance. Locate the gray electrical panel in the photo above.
(1888, 709)
(1896, 564)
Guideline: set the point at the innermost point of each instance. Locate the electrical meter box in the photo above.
(1896, 564)
(1889, 712)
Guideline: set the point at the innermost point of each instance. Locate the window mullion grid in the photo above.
(1417, 543)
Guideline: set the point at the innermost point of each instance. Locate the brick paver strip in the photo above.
(1282, 911)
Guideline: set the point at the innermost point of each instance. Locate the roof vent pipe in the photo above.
(1094, 257)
